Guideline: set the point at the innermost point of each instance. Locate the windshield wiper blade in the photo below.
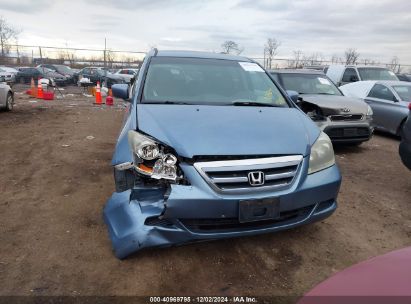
(253, 104)
(168, 102)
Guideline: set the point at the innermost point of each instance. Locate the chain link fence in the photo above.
(25, 55)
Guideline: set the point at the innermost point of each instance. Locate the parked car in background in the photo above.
(9, 77)
(389, 101)
(25, 74)
(98, 74)
(211, 148)
(9, 69)
(127, 74)
(6, 95)
(404, 77)
(344, 119)
(405, 145)
(343, 74)
(61, 69)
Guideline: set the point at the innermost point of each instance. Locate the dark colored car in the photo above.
(25, 74)
(212, 148)
(404, 77)
(61, 69)
(405, 145)
(344, 119)
(98, 74)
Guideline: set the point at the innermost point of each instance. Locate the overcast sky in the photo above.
(377, 29)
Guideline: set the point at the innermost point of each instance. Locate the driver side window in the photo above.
(350, 75)
(381, 92)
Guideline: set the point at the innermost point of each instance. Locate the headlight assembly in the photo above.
(150, 159)
(322, 154)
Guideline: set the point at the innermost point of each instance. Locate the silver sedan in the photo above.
(6, 96)
(389, 101)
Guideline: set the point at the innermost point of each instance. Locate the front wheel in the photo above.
(9, 102)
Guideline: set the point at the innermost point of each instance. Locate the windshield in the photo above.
(404, 92)
(376, 74)
(209, 81)
(309, 84)
(45, 70)
(63, 68)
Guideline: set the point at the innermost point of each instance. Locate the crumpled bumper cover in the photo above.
(128, 214)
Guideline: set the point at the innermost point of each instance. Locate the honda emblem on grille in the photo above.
(345, 110)
(256, 178)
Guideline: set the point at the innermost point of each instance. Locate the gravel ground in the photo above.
(55, 177)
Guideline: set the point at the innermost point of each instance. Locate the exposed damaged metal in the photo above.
(193, 172)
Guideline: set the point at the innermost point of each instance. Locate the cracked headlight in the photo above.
(150, 159)
(322, 154)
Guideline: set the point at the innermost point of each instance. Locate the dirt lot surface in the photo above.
(55, 179)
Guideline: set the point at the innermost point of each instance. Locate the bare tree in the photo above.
(270, 50)
(394, 65)
(335, 59)
(296, 62)
(231, 47)
(7, 33)
(351, 56)
(313, 59)
(111, 57)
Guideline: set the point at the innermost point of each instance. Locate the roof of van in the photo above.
(205, 55)
(296, 71)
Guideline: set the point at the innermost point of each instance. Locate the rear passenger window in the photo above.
(350, 75)
(381, 92)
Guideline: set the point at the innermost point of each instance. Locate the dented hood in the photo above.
(334, 104)
(194, 130)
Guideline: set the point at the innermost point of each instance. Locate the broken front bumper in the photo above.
(347, 131)
(154, 217)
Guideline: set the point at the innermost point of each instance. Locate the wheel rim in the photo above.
(9, 102)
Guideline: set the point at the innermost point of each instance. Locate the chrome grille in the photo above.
(346, 117)
(233, 175)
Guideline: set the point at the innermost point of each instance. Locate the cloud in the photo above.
(25, 6)
(378, 29)
(149, 4)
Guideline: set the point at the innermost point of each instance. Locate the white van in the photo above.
(343, 74)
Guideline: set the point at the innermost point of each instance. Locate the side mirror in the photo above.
(120, 91)
(294, 96)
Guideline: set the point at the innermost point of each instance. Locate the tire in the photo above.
(9, 102)
(400, 130)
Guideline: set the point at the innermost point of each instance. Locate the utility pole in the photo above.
(41, 56)
(105, 65)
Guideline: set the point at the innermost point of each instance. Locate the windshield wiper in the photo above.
(253, 104)
(168, 102)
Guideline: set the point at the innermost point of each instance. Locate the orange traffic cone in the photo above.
(110, 92)
(39, 90)
(32, 88)
(98, 94)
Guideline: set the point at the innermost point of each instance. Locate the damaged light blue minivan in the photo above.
(212, 148)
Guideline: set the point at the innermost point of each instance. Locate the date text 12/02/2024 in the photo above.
(207, 299)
